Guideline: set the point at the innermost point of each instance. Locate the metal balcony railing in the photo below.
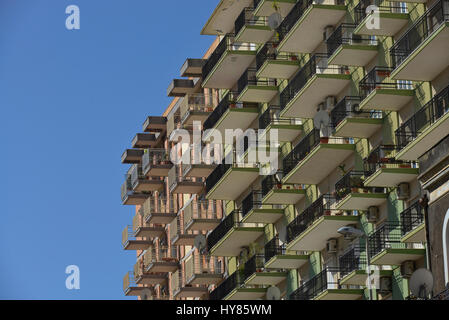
(273, 182)
(228, 101)
(353, 181)
(155, 157)
(160, 254)
(348, 107)
(127, 188)
(273, 248)
(223, 289)
(195, 103)
(249, 78)
(387, 236)
(200, 209)
(301, 150)
(129, 281)
(293, 17)
(252, 201)
(420, 31)
(430, 113)
(227, 43)
(127, 235)
(176, 177)
(253, 265)
(269, 53)
(411, 218)
(247, 18)
(216, 175)
(231, 221)
(378, 78)
(344, 34)
(158, 205)
(271, 116)
(352, 260)
(199, 264)
(319, 208)
(384, 157)
(326, 279)
(317, 64)
(383, 7)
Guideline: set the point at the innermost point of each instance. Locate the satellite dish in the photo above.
(273, 293)
(200, 242)
(321, 122)
(421, 283)
(145, 294)
(274, 21)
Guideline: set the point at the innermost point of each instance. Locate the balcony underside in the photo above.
(320, 86)
(278, 69)
(307, 33)
(319, 163)
(315, 237)
(389, 24)
(163, 266)
(353, 55)
(158, 170)
(265, 7)
(287, 262)
(229, 69)
(188, 187)
(286, 132)
(340, 294)
(284, 196)
(160, 218)
(184, 239)
(426, 140)
(192, 68)
(203, 224)
(144, 141)
(259, 94)
(150, 232)
(137, 244)
(155, 124)
(427, 61)
(200, 116)
(234, 118)
(231, 244)
(222, 19)
(263, 215)
(361, 201)
(134, 291)
(205, 279)
(387, 99)
(359, 277)
(395, 257)
(136, 199)
(200, 170)
(233, 183)
(358, 127)
(144, 185)
(266, 278)
(181, 87)
(247, 294)
(152, 279)
(417, 235)
(191, 292)
(131, 156)
(254, 34)
(391, 177)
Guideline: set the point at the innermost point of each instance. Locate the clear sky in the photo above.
(71, 101)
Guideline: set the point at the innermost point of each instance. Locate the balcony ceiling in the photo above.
(223, 18)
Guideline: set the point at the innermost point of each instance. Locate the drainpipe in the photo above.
(424, 202)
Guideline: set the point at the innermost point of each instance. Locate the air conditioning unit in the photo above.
(332, 246)
(385, 285)
(372, 215)
(327, 32)
(330, 102)
(403, 191)
(407, 269)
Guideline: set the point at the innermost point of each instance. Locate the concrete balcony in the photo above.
(222, 19)
(202, 270)
(155, 124)
(128, 196)
(132, 156)
(130, 287)
(254, 273)
(131, 242)
(232, 289)
(253, 89)
(288, 129)
(161, 260)
(159, 210)
(156, 163)
(143, 230)
(182, 87)
(252, 29)
(144, 278)
(270, 63)
(144, 140)
(141, 183)
(412, 224)
(253, 211)
(201, 215)
(265, 8)
(192, 68)
(179, 184)
(195, 107)
(277, 257)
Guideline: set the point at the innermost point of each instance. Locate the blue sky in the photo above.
(71, 101)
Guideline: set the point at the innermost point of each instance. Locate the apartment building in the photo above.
(357, 98)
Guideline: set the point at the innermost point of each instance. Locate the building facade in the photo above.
(355, 98)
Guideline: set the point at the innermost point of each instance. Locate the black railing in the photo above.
(293, 17)
(227, 43)
(216, 175)
(423, 118)
(249, 78)
(384, 157)
(312, 213)
(420, 31)
(256, 3)
(247, 18)
(302, 149)
(344, 35)
(318, 284)
(351, 261)
(377, 78)
(219, 110)
(271, 116)
(411, 218)
(353, 180)
(269, 53)
(224, 288)
(220, 231)
(348, 107)
(268, 184)
(385, 237)
(252, 265)
(273, 248)
(251, 201)
(382, 7)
